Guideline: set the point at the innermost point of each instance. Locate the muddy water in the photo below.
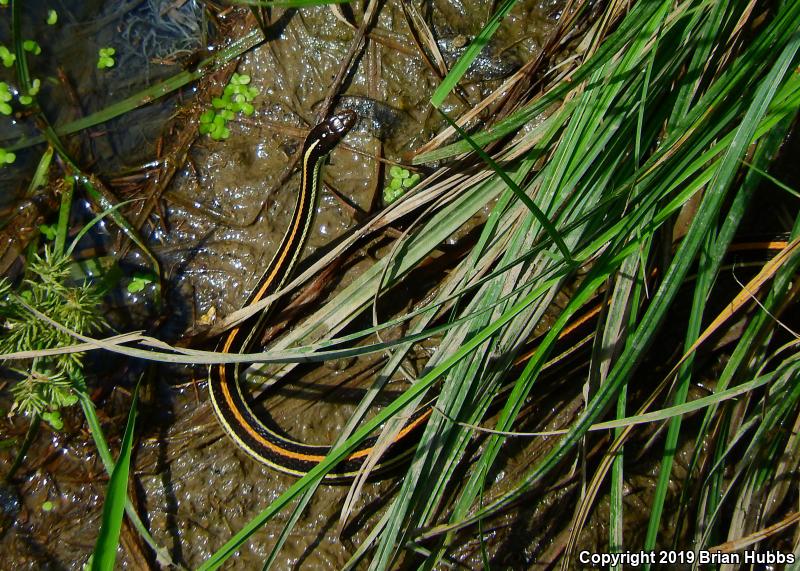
(194, 486)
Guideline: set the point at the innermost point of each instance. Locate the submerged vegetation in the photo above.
(237, 97)
(51, 382)
(605, 377)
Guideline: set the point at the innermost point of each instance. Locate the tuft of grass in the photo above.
(664, 107)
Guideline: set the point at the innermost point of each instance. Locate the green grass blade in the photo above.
(88, 226)
(63, 216)
(40, 176)
(706, 276)
(23, 74)
(622, 314)
(105, 550)
(462, 65)
(520, 194)
(108, 463)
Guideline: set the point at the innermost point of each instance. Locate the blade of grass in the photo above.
(105, 550)
(108, 463)
(622, 314)
(40, 176)
(30, 435)
(465, 61)
(63, 215)
(540, 216)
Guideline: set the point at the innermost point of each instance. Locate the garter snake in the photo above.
(230, 405)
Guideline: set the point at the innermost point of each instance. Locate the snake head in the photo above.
(325, 136)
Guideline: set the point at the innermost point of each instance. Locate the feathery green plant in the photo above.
(51, 382)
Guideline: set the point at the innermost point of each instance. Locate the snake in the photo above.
(263, 442)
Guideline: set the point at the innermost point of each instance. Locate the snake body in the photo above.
(260, 441)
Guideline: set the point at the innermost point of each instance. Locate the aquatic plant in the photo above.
(32, 46)
(401, 182)
(105, 58)
(7, 56)
(6, 157)
(51, 382)
(237, 97)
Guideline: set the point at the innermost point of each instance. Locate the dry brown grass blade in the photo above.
(131, 337)
(739, 301)
(423, 38)
(738, 30)
(742, 298)
(370, 13)
(382, 36)
(119, 344)
(760, 535)
(522, 89)
(386, 438)
(607, 22)
(338, 13)
(427, 47)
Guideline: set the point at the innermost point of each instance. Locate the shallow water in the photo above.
(193, 486)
